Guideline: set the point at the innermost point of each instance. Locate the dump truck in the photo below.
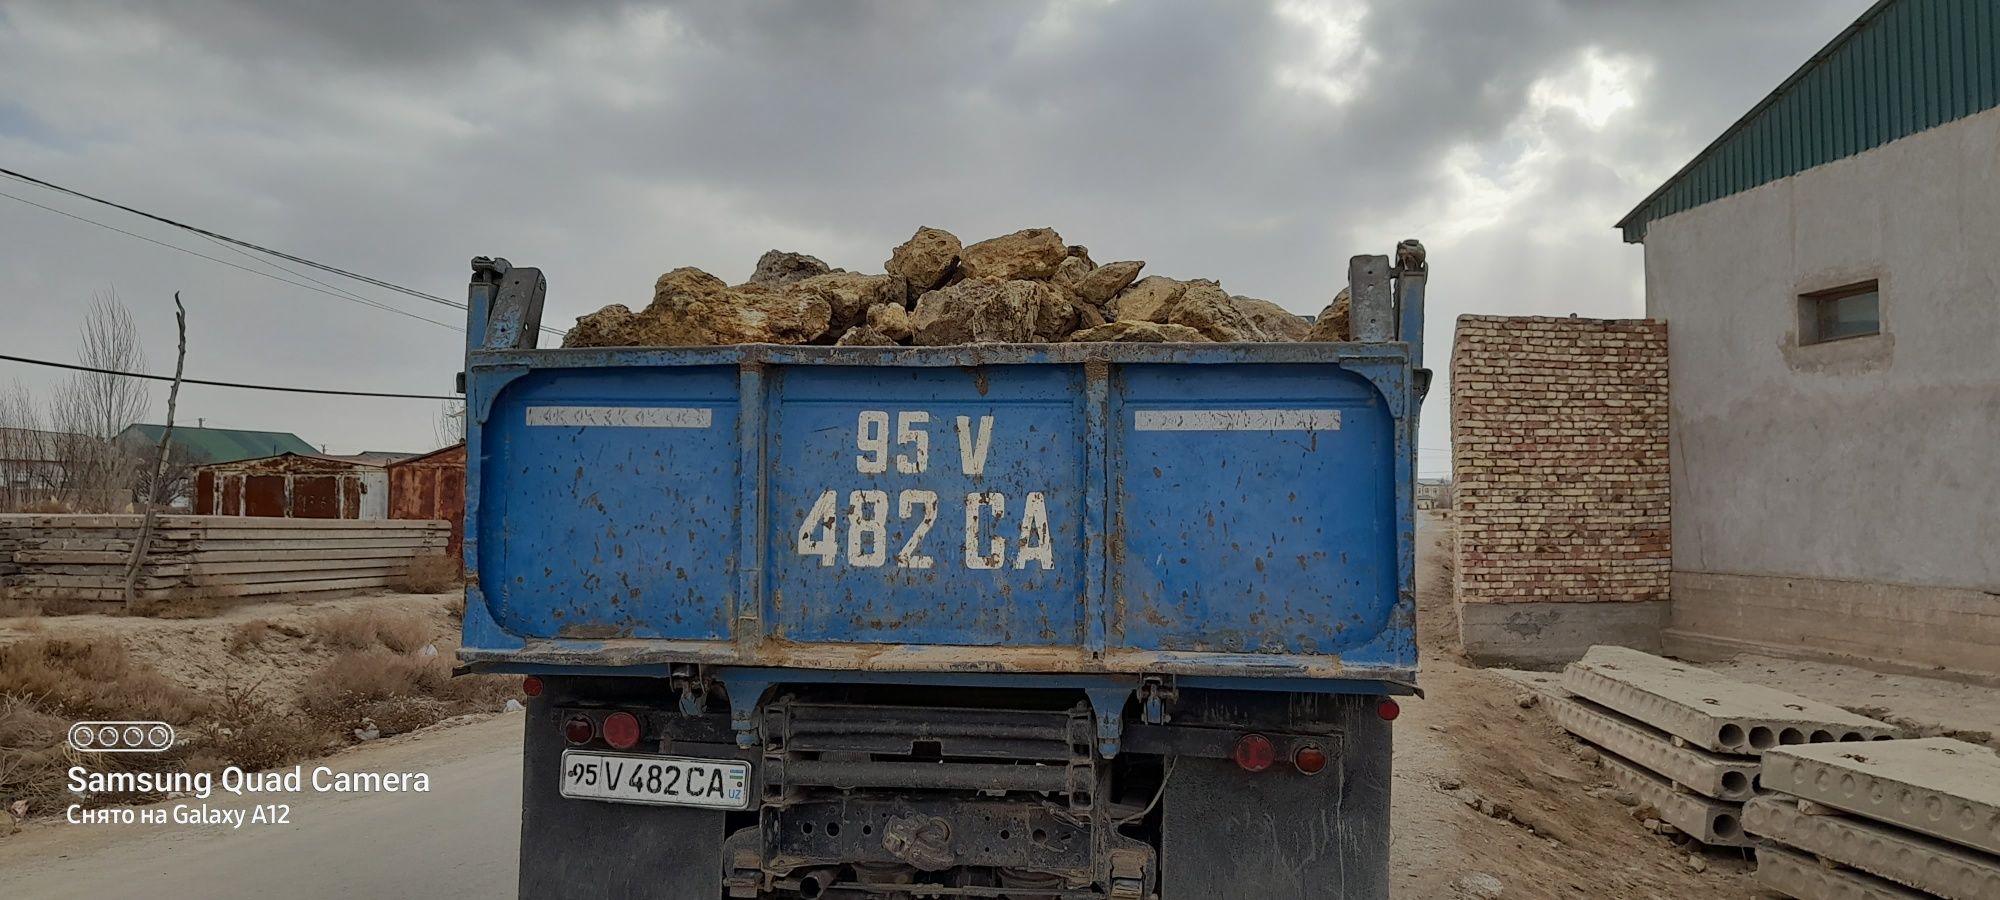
(989, 621)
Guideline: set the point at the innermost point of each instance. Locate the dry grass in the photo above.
(399, 692)
(431, 575)
(24, 607)
(32, 755)
(362, 629)
(46, 684)
(373, 674)
(15, 607)
(249, 636)
(250, 731)
(182, 605)
(93, 678)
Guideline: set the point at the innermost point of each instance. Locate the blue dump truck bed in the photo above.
(1053, 621)
(1231, 510)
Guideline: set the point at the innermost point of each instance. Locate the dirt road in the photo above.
(1490, 802)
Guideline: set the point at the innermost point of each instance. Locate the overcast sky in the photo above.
(607, 142)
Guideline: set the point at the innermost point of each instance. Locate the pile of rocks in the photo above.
(1025, 287)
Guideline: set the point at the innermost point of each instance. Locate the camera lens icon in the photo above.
(121, 737)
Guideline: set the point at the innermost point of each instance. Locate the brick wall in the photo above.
(1559, 460)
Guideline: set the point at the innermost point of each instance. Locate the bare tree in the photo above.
(27, 453)
(111, 341)
(172, 483)
(93, 407)
(450, 425)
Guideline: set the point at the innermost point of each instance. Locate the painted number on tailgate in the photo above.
(852, 526)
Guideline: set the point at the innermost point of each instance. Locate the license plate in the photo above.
(655, 780)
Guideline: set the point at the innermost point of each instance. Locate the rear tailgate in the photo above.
(1227, 509)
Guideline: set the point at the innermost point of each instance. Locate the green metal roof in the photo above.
(1903, 67)
(217, 445)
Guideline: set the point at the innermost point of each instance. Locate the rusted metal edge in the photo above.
(958, 355)
(912, 658)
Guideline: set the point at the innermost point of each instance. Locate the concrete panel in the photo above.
(1947, 870)
(1803, 877)
(1711, 822)
(1548, 635)
(1941, 787)
(1880, 624)
(1710, 774)
(1708, 710)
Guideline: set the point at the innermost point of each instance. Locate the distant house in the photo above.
(217, 445)
(1433, 493)
(293, 486)
(374, 457)
(431, 486)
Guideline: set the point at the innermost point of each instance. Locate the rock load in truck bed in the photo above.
(1025, 287)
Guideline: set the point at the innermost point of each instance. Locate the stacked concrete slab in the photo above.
(83, 558)
(1687, 741)
(1917, 818)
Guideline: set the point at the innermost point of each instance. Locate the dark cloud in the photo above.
(1261, 144)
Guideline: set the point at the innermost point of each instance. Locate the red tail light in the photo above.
(1310, 759)
(579, 730)
(621, 730)
(1254, 753)
(531, 686)
(1388, 709)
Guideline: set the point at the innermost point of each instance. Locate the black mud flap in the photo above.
(1280, 835)
(590, 849)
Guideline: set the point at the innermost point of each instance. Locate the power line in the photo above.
(368, 279)
(223, 237)
(227, 384)
(348, 296)
(296, 273)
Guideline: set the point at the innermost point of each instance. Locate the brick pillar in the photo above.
(1559, 485)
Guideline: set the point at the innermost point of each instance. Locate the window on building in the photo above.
(1851, 311)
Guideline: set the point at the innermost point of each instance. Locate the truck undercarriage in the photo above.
(896, 791)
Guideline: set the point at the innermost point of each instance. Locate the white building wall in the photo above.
(1826, 494)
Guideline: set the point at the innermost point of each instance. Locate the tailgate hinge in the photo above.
(693, 688)
(1154, 695)
(1107, 707)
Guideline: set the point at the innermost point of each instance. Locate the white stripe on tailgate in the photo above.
(1236, 420)
(621, 416)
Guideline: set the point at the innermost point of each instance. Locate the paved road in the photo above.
(459, 840)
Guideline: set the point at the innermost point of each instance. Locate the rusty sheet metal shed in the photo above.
(293, 486)
(431, 486)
